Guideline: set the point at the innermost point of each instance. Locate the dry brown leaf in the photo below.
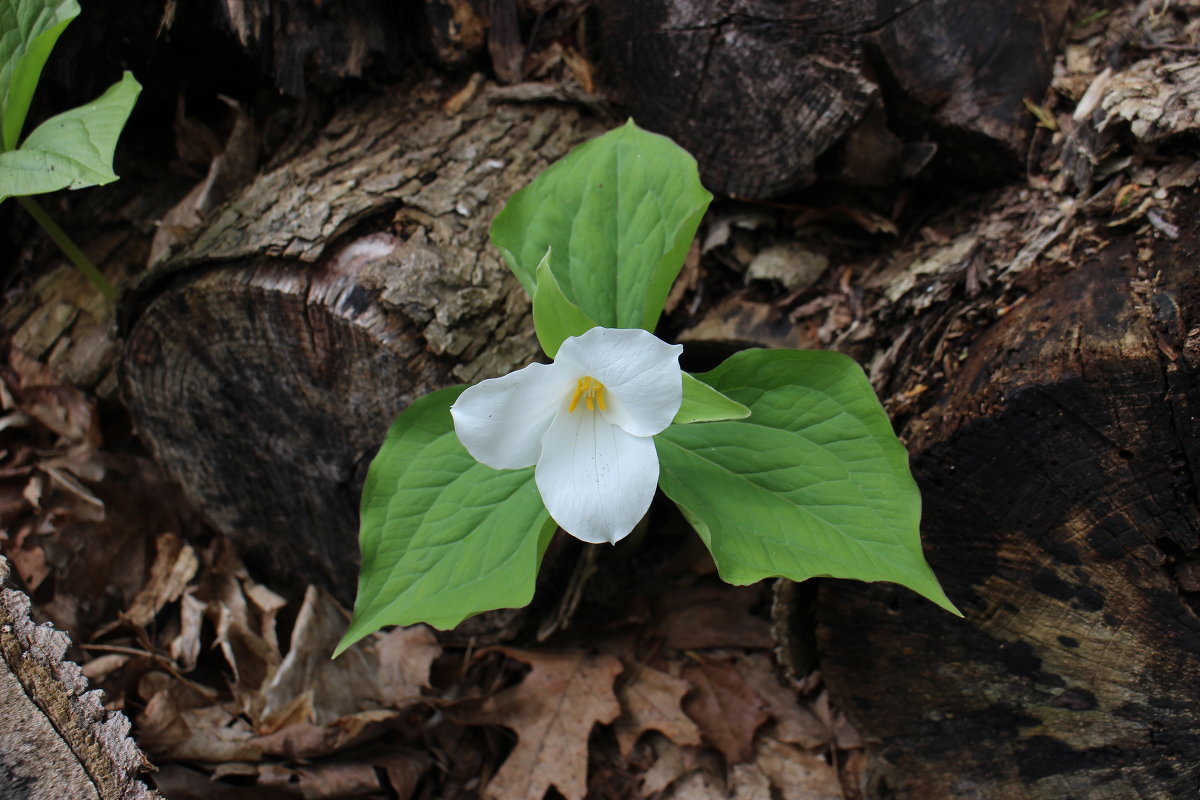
(227, 170)
(27, 559)
(727, 710)
(404, 770)
(388, 670)
(185, 646)
(699, 785)
(651, 700)
(748, 782)
(211, 733)
(175, 564)
(304, 740)
(840, 729)
(714, 615)
(797, 773)
(180, 783)
(324, 780)
(794, 722)
(63, 409)
(670, 764)
(552, 712)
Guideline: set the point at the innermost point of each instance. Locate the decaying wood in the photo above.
(297, 41)
(265, 360)
(1057, 465)
(759, 91)
(57, 741)
(1060, 511)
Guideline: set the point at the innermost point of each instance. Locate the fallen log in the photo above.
(266, 359)
(759, 91)
(1060, 508)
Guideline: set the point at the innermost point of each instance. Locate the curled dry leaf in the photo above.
(175, 564)
(552, 711)
(389, 670)
(177, 726)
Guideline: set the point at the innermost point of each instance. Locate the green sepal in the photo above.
(555, 318)
(702, 403)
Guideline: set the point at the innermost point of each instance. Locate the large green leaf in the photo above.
(28, 31)
(72, 149)
(443, 536)
(813, 483)
(619, 214)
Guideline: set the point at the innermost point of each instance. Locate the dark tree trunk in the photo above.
(265, 362)
(759, 91)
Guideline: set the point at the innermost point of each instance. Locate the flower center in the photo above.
(592, 392)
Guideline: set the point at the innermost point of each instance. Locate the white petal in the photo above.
(640, 372)
(596, 480)
(501, 421)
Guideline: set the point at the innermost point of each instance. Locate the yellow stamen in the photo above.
(591, 390)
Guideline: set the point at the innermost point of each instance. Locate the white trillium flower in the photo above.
(586, 421)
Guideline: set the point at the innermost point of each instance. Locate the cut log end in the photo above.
(264, 384)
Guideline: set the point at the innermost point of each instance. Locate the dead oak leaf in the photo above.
(652, 700)
(727, 710)
(552, 711)
(795, 722)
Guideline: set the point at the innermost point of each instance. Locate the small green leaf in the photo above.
(702, 403)
(72, 149)
(30, 30)
(554, 316)
(443, 536)
(813, 483)
(619, 213)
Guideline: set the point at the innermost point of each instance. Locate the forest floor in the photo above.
(662, 683)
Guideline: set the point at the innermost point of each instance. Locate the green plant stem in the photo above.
(68, 247)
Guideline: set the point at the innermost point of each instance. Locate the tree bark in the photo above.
(759, 91)
(58, 742)
(265, 361)
(1060, 512)
(1057, 464)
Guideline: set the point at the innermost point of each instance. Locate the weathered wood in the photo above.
(57, 741)
(265, 361)
(1058, 468)
(758, 91)
(1060, 507)
(298, 42)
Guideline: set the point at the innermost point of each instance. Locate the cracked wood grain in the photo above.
(759, 91)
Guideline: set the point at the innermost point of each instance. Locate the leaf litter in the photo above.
(233, 693)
